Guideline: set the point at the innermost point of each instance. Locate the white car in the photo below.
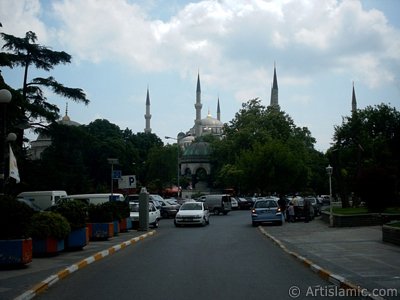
(192, 213)
(234, 203)
(154, 214)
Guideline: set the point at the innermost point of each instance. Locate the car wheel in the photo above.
(216, 211)
(208, 221)
(279, 223)
(164, 214)
(255, 224)
(155, 224)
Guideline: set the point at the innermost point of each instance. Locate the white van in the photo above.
(218, 203)
(95, 198)
(42, 199)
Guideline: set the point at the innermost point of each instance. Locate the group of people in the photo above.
(289, 211)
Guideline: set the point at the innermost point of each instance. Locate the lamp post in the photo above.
(178, 171)
(329, 170)
(5, 98)
(112, 161)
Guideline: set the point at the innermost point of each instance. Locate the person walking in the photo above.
(282, 206)
(290, 212)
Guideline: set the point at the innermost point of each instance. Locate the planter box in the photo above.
(100, 231)
(77, 239)
(116, 227)
(371, 219)
(15, 252)
(391, 234)
(47, 247)
(125, 225)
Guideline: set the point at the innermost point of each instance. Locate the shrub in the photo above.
(119, 209)
(100, 213)
(15, 218)
(75, 211)
(47, 224)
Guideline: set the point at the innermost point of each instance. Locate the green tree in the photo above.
(264, 151)
(25, 52)
(366, 155)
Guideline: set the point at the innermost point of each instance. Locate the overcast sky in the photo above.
(121, 47)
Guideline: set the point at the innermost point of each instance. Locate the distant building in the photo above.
(43, 141)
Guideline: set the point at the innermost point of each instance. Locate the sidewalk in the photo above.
(44, 271)
(351, 254)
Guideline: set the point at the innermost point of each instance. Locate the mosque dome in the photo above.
(209, 121)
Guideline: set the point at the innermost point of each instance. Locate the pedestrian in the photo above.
(290, 211)
(306, 210)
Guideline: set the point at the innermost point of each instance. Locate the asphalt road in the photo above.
(229, 259)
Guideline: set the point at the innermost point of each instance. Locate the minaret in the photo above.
(274, 91)
(353, 101)
(147, 116)
(198, 107)
(218, 111)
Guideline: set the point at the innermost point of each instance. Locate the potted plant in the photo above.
(48, 230)
(101, 226)
(15, 242)
(76, 213)
(125, 222)
(120, 211)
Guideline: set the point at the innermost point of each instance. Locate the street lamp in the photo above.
(5, 97)
(178, 173)
(329, 170)
(112, 161)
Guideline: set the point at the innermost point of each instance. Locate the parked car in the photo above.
(220, 203)
(315, 204)
(193, 213)
(168, 208)
(266, 210)
(234, 203)
(243, 203)
(154, 214)
(154, 198)
(326, 199)
(251, 201)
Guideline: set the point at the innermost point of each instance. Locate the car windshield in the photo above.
(266, 204)
(191, 206)
(171, 202)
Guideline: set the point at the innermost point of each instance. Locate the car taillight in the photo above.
(278, 210)
(253, 211)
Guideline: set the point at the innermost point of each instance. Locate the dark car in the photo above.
(169, 208)
(243, 203)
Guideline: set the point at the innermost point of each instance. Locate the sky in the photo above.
(120, 48)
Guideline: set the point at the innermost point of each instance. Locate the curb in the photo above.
(52, 279)
(335, 279)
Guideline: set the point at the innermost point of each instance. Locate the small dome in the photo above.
(199, 149)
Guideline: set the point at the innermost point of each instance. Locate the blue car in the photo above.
(266, 211)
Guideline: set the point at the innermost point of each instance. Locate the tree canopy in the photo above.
(263, 151)
(365, 155)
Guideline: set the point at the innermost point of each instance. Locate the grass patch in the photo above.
(395, 224)
(350, 210)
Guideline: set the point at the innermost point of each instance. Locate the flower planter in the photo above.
(47, 247)
(116, 227)
(15, 252)
(77, 239)
(100, 231)
(125, 224)
(391, 234)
